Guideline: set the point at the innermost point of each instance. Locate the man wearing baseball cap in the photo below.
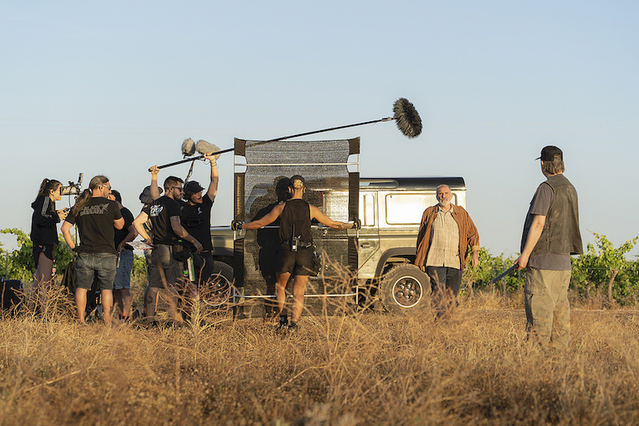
(196, 219)
(551, 234)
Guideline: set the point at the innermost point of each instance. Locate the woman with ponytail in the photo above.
(296, 246)
(44, 234)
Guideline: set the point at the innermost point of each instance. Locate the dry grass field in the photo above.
(475, 366)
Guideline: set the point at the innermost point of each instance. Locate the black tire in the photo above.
(222, 270)
(221, 283)
(405, 289)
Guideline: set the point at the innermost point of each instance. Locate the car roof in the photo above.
(412, 183)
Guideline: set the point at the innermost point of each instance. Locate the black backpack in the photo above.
(11, 294)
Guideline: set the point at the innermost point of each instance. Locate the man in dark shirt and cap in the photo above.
(551, 234)
(196, 219)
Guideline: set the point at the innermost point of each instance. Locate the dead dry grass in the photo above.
(474, 367)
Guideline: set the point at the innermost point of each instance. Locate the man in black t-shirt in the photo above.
(164, 213)
(196, 219)
(97, 218)
(122, 282)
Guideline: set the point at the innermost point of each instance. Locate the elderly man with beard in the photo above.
(444, 236)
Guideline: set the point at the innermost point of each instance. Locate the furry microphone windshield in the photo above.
(207, 148)
(188, 147)
(408, 120)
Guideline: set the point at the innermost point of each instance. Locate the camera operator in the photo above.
(44, 234)
(97, 218)
(164, 213)
(196, 219)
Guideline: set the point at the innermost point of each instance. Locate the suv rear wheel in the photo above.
(405, 288)
(220, 284)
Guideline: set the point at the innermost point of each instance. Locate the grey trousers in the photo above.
(547, 307)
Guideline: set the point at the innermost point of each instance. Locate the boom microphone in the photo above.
(404, 113)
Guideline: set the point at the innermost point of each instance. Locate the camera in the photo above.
(73, 188)
(70, 190)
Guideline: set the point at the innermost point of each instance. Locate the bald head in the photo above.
(444, 195)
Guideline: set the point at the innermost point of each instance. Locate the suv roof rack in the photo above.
(454, 182)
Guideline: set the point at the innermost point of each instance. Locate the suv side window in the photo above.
(406, 208)
(367, 209)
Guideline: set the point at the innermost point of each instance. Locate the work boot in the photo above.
(283, 324)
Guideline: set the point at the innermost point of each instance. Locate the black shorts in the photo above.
(46, 249)
(296, 263)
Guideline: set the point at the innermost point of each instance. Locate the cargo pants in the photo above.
(547, 306)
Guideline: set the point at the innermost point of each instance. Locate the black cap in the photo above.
(145, 196)
(549, 152)
(192, 187)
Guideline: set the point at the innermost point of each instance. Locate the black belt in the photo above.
(300, 244)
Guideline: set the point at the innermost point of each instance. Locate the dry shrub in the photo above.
(50, 302)
(474, 365)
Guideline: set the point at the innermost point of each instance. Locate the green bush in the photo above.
(604, 267)
(601, 266)
(19, 263)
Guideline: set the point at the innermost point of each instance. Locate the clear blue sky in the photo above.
(113, 87)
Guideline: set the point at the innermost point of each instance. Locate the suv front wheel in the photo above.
(405, 288)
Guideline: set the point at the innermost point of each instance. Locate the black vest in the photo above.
(561, 231)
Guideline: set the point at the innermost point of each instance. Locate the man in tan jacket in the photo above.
(445, 233)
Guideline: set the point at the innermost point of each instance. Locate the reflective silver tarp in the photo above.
(331, 187)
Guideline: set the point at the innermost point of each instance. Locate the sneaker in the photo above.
(293, 327)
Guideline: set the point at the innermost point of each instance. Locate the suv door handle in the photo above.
(365, 245)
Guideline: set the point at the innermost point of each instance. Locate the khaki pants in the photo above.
(547, 307)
